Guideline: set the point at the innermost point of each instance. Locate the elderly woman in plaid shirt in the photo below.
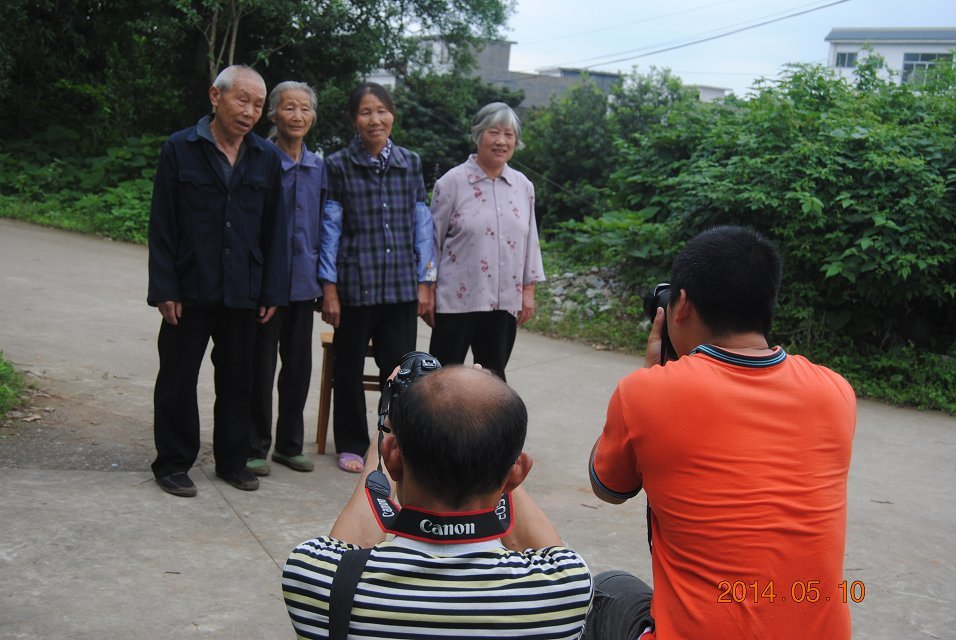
(377, 263)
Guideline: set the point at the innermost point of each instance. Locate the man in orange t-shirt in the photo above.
(743, 451)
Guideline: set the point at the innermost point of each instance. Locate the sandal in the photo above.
(347, 459)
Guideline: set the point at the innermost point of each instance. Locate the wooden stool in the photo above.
(369, 383)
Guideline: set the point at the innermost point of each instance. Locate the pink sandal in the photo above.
(345, 459)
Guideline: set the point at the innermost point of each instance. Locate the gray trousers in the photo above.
(621, 609)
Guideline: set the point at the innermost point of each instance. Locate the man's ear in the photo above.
(392, 458)
(681, 308)
(518, 472)
(214, 95)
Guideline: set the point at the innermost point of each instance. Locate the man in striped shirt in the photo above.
(455, 454)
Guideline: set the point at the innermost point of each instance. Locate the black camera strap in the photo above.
(342, 592)
(431, 526)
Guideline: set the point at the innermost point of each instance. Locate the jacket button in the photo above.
(227, 251)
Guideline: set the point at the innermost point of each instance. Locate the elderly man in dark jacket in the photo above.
(217, 265)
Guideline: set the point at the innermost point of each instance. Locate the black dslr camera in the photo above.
(415, 365)
(660, 296)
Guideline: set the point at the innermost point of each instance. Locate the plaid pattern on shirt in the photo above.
(376, 261)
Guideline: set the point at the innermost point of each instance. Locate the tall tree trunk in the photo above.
(236, 17)
(211, 39)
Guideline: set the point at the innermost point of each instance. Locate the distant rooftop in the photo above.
(927, 35)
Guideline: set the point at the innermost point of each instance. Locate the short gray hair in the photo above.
(227, 77)
(290, 85)
(275, 97)
(496, 114)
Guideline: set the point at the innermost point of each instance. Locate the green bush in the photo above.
(11, 386)
(855, 184)
(106, 195)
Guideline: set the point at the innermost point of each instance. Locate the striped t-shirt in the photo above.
(412, 589)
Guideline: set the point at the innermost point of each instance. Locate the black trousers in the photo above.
(489, 334)
(392, 329)
(176, 408)
(288, 335)
(621, 609)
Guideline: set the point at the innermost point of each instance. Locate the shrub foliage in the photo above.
(855, 182)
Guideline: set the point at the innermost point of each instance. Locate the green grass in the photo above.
(11, 386)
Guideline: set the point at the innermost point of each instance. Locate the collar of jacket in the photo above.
(252, 141)
(359, 156)
(308, 159)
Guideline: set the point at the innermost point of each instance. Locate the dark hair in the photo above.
(460, 430)
(376, 90)
(732, 275)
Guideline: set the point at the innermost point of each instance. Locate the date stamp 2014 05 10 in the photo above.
(800, 591)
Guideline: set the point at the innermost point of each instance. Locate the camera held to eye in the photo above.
(415, 364)
(660, 296)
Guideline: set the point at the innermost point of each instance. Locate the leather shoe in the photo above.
(178, 484)
(241, 479)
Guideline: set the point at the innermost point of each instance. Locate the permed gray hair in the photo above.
(496, 114)
(227, 76)
(275, 97)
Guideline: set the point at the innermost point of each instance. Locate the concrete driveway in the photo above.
(91, 548)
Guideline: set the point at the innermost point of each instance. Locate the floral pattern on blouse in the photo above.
(486, 239)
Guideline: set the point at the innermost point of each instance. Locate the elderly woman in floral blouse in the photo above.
(489, 258)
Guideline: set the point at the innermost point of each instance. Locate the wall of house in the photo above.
(891, 52)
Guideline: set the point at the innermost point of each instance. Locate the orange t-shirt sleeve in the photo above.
(614, 465)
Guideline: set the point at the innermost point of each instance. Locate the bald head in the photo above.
(460, 430)
(465, 389)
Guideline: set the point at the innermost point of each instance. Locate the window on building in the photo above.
(846, 60)
(914, 64)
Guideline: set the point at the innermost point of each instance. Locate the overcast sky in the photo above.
(608, 35)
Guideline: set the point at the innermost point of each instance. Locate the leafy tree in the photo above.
(644, 100)
(100, 68)
(569, 154)
(573, 143)
(107, 69)
(435, 113)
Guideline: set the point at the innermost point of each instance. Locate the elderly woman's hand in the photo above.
(331, 309)
(426, 303)
(527, 304)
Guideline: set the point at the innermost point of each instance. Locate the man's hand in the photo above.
(652, 355)
(357, 523)
(331, 309)
(265, 314)
(171, 310)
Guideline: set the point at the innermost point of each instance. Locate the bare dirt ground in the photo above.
(54, 431)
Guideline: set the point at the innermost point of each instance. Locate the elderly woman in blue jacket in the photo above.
(289, 334)
(377, 260)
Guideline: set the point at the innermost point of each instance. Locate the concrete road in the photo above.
(91, 548)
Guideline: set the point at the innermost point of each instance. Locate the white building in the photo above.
(906, 50)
